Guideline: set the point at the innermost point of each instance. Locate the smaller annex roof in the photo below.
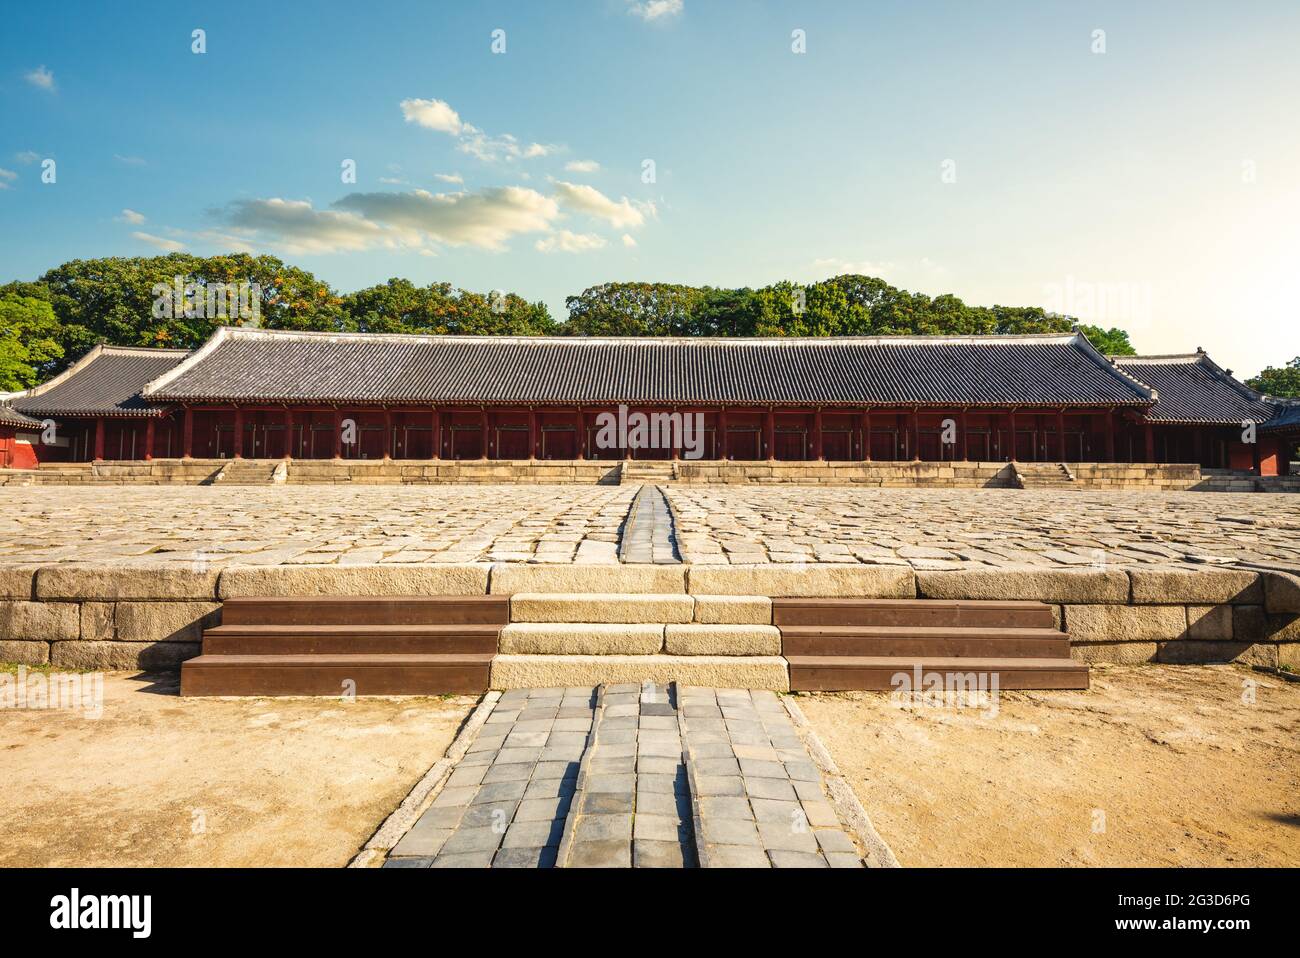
(1286, 420)
(105, 382)
(1192, 388)
(259, 365)
(12, 417)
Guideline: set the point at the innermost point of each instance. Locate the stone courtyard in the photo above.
(926, 529)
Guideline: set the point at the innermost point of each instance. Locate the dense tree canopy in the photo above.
(179, 299)
(1279, 382)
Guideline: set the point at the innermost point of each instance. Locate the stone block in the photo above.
(722, 640)
(550, 638)
(509, 578)
(1205, 586)
(1043, 585)
(1250, 624)
(107, 656)
(1115, 653)
(125, 582)
(600, 607)
(550, 671)
(733, 609)
(97, 621)
(39, 621)
(1194, 652)
(1281, 592)
(1282, 627)
(24, 653)
(795, 580)
(396, 579)
(16, 582)
(165, 621)
(1130, 623)
(1209, 622)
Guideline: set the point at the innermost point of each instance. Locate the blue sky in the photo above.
(1151, 186)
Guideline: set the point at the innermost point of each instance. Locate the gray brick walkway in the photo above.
(631, 776)
(648, 533)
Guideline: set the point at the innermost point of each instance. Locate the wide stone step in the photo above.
(912, 613)
(579, 638)
(640, 608)
(885, 673)
(924, 641)
(368, 610)
(348, 639)
(510, 671)
(375, 674)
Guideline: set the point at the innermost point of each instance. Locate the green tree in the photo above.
(1279, 382)
(399, 306)
(29, 341)
(1112, 342)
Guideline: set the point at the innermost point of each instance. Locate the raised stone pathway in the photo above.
(648, 534)
(566, 525)
(632, 775)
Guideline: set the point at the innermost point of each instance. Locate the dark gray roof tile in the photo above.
(105, 382)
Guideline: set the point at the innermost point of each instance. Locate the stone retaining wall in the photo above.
(124, 617)
(972, 475)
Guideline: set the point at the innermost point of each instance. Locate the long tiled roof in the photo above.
(1194, 389)
(105, 382)
(1287, 418)
(250, 365)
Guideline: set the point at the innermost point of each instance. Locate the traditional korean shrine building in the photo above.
(256, 393)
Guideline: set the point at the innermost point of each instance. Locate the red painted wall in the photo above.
(16, 453)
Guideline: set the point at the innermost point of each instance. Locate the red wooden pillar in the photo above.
(769, 434)
(1011, 428)
(965, 435)
(817, 448)
(722, 432)
(187, 434)
(1060, 433)
(148, 439)
(239, 432)
(388, 433)
(1110, 435)
(582, 433)
(1150, 442)
(532, 433)
(675, 451)
(288, 433)
(338, 433)
(436, 426)
(866, 435)
(483, 431)
(916, 434)
(99, 439)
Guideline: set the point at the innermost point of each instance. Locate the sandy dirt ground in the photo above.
(1157, 766)
(161, 780)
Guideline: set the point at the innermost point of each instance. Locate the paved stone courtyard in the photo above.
(926, 528)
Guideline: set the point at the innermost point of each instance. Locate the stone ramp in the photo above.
(632, 775)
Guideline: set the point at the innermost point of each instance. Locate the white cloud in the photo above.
(589, 200)
(628, 241)
(485, 219)
(450, 178)
(432, 114)
(392, 181)
(582, 166)
(129, 160)
(296, 227)
(27, 156)
(439, 115)
(650, 10)
(6, 177)
(564, 241)
(41, 78)
(132, 217)
(160, 242)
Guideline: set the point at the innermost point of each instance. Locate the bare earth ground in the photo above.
(274, 781)
(1183, 771)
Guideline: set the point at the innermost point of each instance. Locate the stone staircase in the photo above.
(884, 644)
(647, 472)
(1043, 475)
(318, 645)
